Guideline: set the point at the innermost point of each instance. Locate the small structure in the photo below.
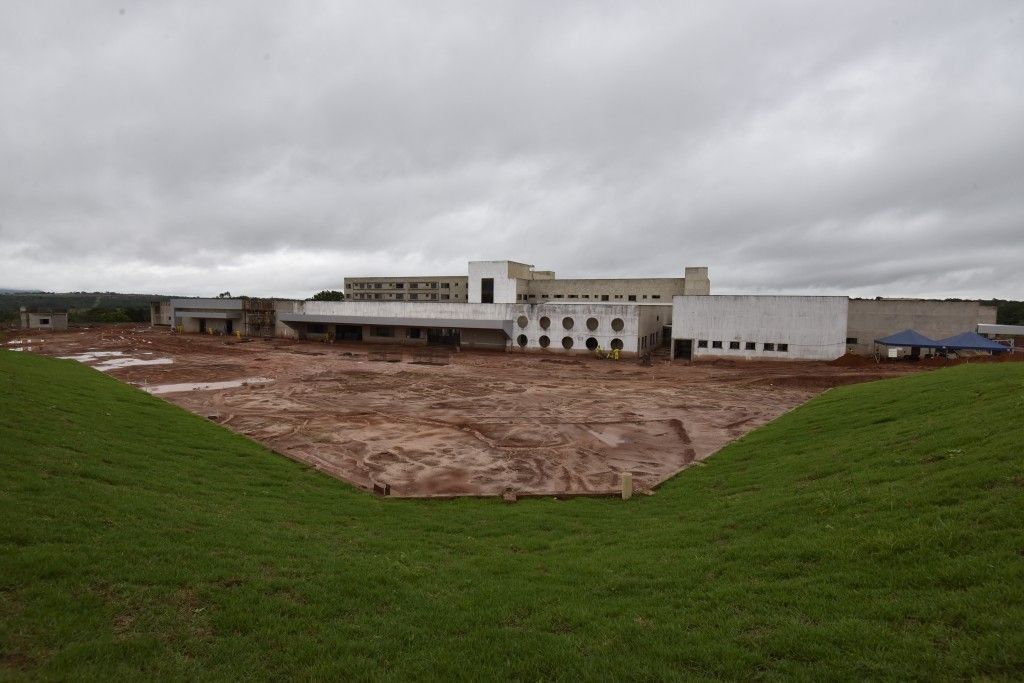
(972, 341)
(43, 319)
(908, 339)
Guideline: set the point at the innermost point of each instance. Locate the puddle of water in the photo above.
(20, 342)
(21, 348)
(89, 356)
(203, 386)
(115, 363)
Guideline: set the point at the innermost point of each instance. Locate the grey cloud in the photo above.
(868, 148)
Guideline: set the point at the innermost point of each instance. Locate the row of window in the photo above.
(568, 322)
(402, 285)
(544, 342)
(413, 296)
(747, 346)
(595, 297)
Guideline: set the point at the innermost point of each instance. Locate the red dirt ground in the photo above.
(486, 423)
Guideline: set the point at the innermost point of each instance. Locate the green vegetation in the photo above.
(328, 295)
(875, 532)
(1007, 312)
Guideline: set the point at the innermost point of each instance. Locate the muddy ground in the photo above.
(483, 424)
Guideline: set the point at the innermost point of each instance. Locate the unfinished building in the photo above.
(871, 319)
(43, 319)
(520, 282)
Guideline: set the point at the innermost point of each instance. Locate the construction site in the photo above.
(438, 422)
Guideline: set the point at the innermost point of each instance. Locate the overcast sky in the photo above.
(273, 148)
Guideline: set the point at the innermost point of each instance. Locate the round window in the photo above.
(544, 341)
(545, 323)
(567, 323)
(521, 339)
(617, 324)
(592, 344)
(617, 344)
(591, 324)
(523, 321)
(566, 342)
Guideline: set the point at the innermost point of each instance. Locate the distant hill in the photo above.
(82, 306)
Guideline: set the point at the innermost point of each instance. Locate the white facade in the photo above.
(505, 285)
(759, 327)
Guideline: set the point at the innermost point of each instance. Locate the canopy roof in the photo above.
(971, 340)
(909, 338)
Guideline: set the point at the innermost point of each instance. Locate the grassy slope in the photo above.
(876, 531)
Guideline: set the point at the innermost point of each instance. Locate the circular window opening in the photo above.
(544, 341)
(522, 321)
(617, 344)
(521, 339)
(545, 322)
(591, 324)
(566, 342)
(567, 323)
(617, 324)
(592, 344)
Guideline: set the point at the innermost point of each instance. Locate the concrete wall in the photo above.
(617, 290)
(697, 281)
(161, 313)
(871, 319)
(812, 327)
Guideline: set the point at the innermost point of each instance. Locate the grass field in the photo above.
(876, 532)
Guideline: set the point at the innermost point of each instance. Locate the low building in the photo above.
(574, 328)
(871, 319)
(1010, 335)
(43, 319)
(751, 327)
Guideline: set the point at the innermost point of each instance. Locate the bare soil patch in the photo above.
(484, 424)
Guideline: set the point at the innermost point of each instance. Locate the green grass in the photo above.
(876, 532)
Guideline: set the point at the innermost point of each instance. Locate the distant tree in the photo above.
(224, 295)
(328, 295)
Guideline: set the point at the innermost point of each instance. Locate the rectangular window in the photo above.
(558, 296)
(433, 285)
(383, 332)
(445, 285)
(377, 285)
(735, 346)
(618, 296)
(716, 344)
(769, 346)
(851, 340)
(573, 296)
(487, 290)
(44, 321)
(414, 333)
(784, 348)
(414, 297)
(400, 297)
(645, 296)
(656, 296)
(376, 296)
(632, 297)
(702, 343)
(316, 328)
(604, 297)
(751, 346)
(445, 296)
(399, 285)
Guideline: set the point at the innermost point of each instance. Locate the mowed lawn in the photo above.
(876, 532)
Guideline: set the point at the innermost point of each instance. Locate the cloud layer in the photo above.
(869, 148)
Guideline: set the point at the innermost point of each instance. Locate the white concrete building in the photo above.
(549, 327)
(759, 327)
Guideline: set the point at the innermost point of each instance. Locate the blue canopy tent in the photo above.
(915, 340)
(909, 338)
(971, 341)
